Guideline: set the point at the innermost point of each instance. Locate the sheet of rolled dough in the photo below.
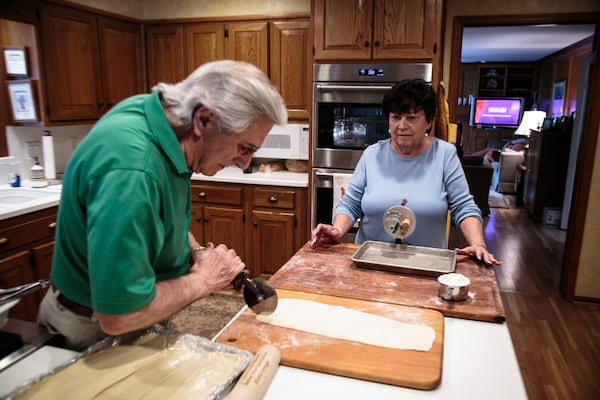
(348, 324)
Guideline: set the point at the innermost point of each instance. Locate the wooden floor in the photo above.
(557, 343)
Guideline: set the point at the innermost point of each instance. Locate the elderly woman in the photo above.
(122, 252)
(414, 168)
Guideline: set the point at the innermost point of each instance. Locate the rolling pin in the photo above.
(255, 380)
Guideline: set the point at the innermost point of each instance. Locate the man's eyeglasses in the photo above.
(246, 149)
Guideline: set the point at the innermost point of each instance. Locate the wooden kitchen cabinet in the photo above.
(90, 62)
(377, 29)
(165, 54)
(205, 42)
(26, 247)
(176, 50)
(274, 228)
(120, 60)
(218, 215)
(290, 65)
(281, 49)
(242, 41)
(277, 218)
(249, 42)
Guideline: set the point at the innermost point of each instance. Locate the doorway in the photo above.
(586, 157)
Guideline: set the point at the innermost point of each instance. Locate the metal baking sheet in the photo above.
(416, 260)
(194, 343)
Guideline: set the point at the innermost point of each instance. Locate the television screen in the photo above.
(497, 112)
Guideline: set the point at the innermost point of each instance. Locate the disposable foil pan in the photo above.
(416, 260)
(195, 344)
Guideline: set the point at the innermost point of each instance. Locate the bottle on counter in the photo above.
(13, 176)
(38, 179)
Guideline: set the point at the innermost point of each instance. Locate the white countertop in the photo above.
(33, 199)
(237, 175)
(479, 362)
(228, 175)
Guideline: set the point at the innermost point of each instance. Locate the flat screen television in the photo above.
(496, 112)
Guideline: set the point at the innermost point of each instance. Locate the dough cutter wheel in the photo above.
(259, 295)
(399, 222)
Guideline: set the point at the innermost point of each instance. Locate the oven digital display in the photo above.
(370, 72)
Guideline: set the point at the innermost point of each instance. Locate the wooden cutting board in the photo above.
(409, 368)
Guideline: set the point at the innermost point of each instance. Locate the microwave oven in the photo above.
(288, 141)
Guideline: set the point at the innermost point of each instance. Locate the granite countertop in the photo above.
(237, 175)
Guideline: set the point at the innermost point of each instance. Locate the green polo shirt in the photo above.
(124, 211)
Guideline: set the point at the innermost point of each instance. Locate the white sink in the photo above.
(21, 200)
(22, 195)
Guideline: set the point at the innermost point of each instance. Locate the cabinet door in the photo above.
(164, 47)
(42, 259)
(70, 60)
(249, 42)
(225, 225)
(290, 63)
(204, 43)
(197, 224)
(406, 29)
(343, 29)
(16, 270)
(269, 255)
(121, 60)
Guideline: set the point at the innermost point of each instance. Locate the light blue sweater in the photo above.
(432, 183)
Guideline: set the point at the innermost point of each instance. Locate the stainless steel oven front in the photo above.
(347, 117)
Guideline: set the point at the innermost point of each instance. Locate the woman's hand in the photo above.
(325, 234)
(480, 252)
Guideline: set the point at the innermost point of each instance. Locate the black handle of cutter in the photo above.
(238, 281)
(242, 280)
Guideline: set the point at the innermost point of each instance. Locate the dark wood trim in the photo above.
(257, 17)
(19, 10)
(96, 11)
(583, 180)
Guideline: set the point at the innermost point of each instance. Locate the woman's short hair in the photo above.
(410, 95)
(237, 92)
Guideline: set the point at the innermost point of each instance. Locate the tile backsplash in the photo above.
(25, 143)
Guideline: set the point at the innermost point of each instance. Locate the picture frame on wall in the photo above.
(15, 61)
(22, 100)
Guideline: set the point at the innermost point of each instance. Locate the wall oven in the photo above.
(347, 117)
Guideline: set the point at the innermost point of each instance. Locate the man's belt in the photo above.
(72, 306)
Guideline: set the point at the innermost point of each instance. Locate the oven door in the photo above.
(323, 198)
(346, 119)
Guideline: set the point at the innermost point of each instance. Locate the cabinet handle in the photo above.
(202, 195)
(272, 199)
(52, 225)
(3, 241)
(367, 43)
(376, 44)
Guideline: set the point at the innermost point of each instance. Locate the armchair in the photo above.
(507, 169)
